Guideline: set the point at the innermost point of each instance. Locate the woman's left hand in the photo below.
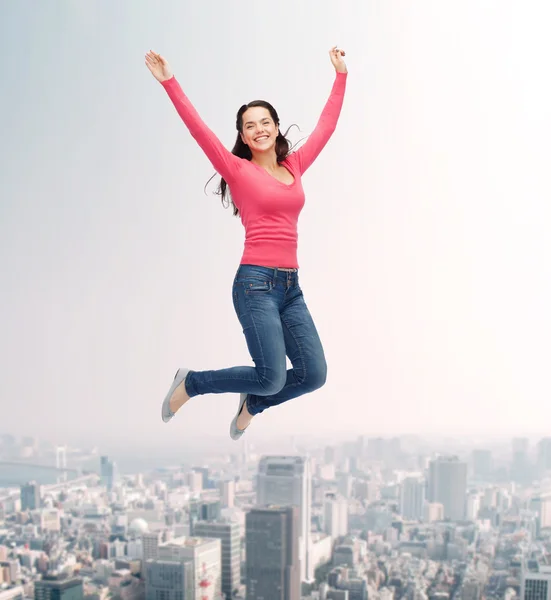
(337, 59)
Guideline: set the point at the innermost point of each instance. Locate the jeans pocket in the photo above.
(257, 286)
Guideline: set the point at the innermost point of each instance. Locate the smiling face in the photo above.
(259, 130)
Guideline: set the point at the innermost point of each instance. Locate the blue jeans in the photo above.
(276, 323)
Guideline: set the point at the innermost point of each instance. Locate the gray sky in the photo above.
(424, 244)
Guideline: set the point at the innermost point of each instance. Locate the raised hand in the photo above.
(337, 59)
(158, 66)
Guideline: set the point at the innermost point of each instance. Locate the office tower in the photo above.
(482, 464)
(58, 588)
(272, 537)
(433, 511)
(205, 472)
(108, 472)
(473, 505)
(448, 486)
(287, 481)
(195, 481)
(520, 465)
(535, 581)
(227, 493)
(30, 496)
(344, 485)
(169, 580)
(209, 511)
(151, 542)
(335, 515)
(541, 505)
(412, 498)
(206, 555)
(230, 539)
(544, 455)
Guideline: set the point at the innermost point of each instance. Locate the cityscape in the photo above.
(371, 517)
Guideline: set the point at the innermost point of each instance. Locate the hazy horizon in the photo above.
(423, 246)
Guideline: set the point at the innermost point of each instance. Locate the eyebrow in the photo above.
(252, 122)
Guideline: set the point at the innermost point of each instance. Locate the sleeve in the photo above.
(325, 127)
(225, 163)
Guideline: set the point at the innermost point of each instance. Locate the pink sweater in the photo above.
(269, 208)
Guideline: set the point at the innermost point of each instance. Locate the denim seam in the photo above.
(301, 353)
(247, 302)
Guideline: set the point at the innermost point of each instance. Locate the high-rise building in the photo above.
(151, 542)
(412, 498)
(227, 493)
(544, 455)
(335, 515)
(30, 496)
(433, 511)
(541, 505)
(209, 511)
(473, 505)
(520, 465)
(58, 588)
(272, 571)
(448, 486)
(108, 472)
(230, 539)
(195, 481)
(535, 581)
(287, 481)
(205, 472)
(169, 580)
(482, 464)
(206, 555)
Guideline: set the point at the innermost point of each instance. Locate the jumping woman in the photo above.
(263, 176)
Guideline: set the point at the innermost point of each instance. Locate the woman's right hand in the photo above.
(158, 66)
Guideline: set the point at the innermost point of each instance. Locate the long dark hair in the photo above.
(282, 147)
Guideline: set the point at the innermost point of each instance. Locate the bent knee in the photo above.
(317, 376)
(273, 383)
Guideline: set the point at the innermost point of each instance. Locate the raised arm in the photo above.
(327, 122)
(225, 163)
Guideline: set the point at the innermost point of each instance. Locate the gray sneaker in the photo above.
(236, 433)
(180, 376)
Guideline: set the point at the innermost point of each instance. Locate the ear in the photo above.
(242, 138)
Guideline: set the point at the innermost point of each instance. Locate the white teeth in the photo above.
(258, 139)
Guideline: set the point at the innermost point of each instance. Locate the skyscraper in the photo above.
(287, 481)
(230, 538)
(448, 486)
(206, 555)
(272, 571)
(169, 580)
(227, 493)
(30, 496)
(544, 455)
(520, 465)
(412, 498)
(58, 588)
(108, 472)
(482, 464)
(335, 515)
(536, 581)
(151, 541)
